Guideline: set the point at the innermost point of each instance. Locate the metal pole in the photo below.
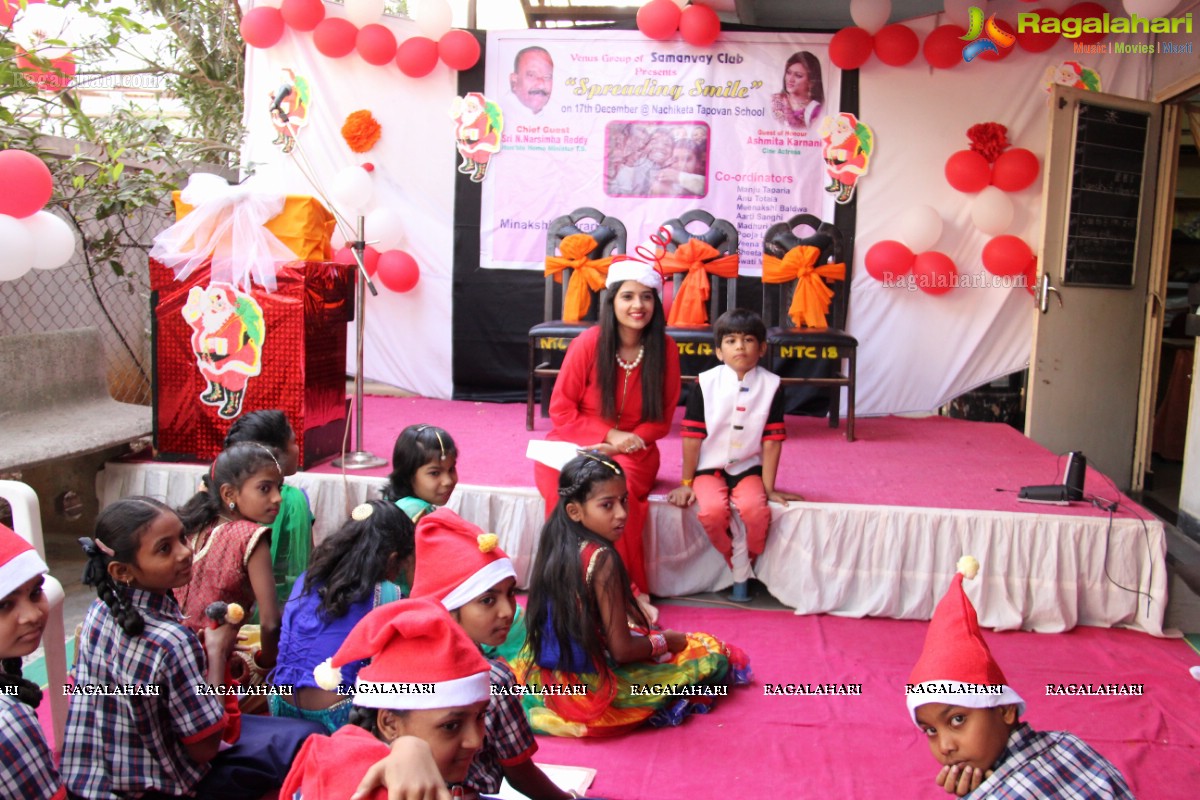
(360, 458)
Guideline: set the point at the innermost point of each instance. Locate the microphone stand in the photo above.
(360, 458)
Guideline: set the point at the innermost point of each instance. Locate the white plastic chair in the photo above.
(27, 522)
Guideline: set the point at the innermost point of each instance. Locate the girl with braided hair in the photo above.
(146, 718)
(26, 764)
(586, 628)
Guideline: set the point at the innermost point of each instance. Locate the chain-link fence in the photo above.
(80, 294)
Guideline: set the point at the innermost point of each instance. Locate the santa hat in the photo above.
(456, 560)
(629, 269)
(956, 666)
(19, 562)
(420, 659)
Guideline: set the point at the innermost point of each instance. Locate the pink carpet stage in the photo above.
(884, 520)
(865, 747)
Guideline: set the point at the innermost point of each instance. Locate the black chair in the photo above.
(696, 339)
(830, 343)
(554, 334)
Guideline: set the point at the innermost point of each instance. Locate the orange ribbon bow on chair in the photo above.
(810, 301)
(589, 275)
(698, 259)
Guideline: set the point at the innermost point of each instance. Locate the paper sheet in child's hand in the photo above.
(578, 779)
(553, 454)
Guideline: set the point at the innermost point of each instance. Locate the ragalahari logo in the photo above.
(984, 37)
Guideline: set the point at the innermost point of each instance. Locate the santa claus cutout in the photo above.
(227, 339)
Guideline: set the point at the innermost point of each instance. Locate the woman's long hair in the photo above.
(346, 566)
(558, 581)
(812, 69)
(653, 361)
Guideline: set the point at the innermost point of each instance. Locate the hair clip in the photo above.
(592, 455)
(362, 512)
(271, 453)
(438, 433)
(103, 548)
(487, 542)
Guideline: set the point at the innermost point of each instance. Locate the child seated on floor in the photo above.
(291, 532)
(175, 739)
(959, 698)
(585, 629)
(733, 435)
(463, 569)
(424, 470)
(27, 768)
(227, 524)
(352, 572)
(426, 679)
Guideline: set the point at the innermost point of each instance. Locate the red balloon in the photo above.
(262, 27)
(417, 56)
(376, 44)
(1001, 52)
(1084, 11)
(1014, 170)
(302, 15)
(699, 25)
(335, 37)
(850, 48)
(968, 171)
(896, 45)
(1039, 42)
(26, 181)
(659, 19)
(888, 260)
(398, 271)
(943, 47)
(9, 9)
(55, 79)
(934, 272)
(458, 50)
(1007, 255)
(370, 258)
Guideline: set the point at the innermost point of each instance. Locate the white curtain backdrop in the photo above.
(916, 351)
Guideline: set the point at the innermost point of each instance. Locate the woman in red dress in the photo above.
(617, 393)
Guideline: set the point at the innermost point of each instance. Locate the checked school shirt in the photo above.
(507, 740)
(26, 765)
(1056, 764)
(121, 745)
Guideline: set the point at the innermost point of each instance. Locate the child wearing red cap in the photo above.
(586, 629)
(426, 679)
(462, 567)
(26, 765)
(958, 696)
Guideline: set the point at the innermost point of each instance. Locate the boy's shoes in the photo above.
(741, 592)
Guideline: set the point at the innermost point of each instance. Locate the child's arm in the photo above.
(262, 580)
(683, 496)
(218, 642)
(528, 779)
(771, 450)
(623, 645)
(409, 773)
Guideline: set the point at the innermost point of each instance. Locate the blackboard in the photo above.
(1106, 192)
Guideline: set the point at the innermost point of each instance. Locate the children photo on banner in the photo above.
(646, 130)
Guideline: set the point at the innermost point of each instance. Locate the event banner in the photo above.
(644, 131)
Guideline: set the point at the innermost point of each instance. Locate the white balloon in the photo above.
(920, 228)
(351, 189)
(53, 240)
(40, 22)
(386, 225)
(16, 256)
(433, 18)
(870, 15)
(1150, 9)
(364, 12)
(958, 12)
(992, 211)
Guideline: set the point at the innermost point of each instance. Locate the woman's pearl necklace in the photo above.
(630, 367)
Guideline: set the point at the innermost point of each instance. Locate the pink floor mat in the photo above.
(865, 747)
